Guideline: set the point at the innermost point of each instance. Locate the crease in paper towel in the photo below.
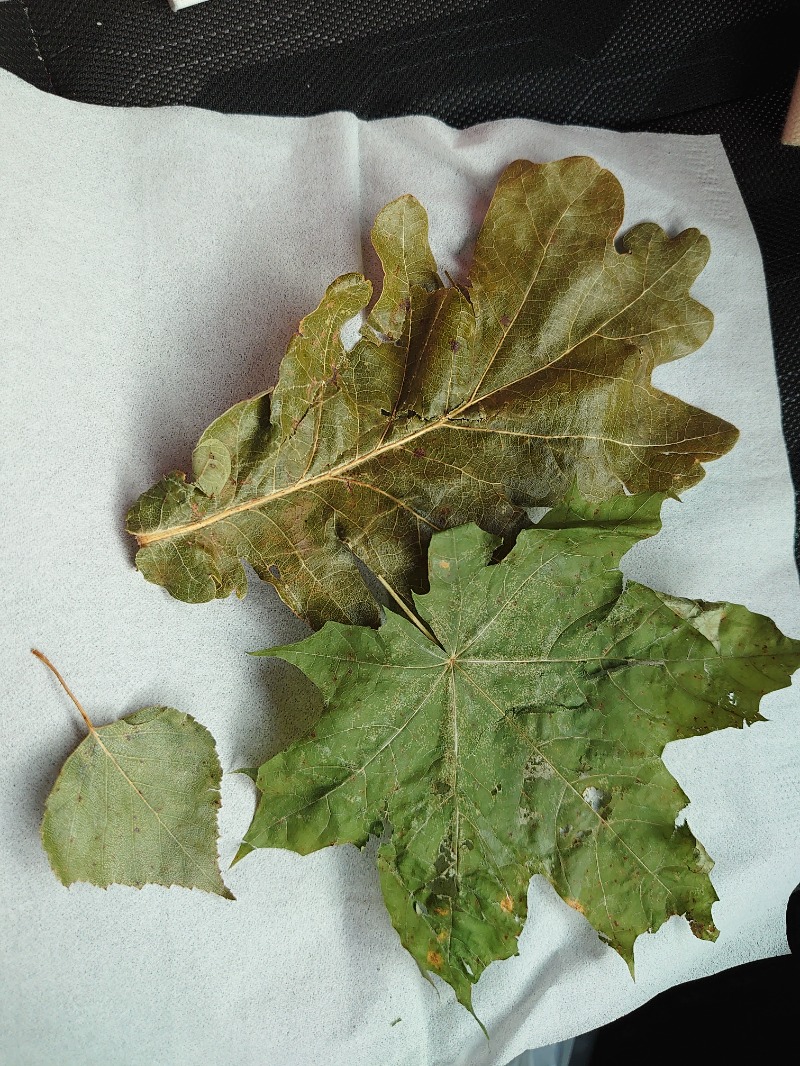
(156, 263)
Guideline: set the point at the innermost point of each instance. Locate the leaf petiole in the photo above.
(413, 618)
(39, 655)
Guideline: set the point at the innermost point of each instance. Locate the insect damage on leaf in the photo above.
(457, 403)
(136, 803)
(517, 729)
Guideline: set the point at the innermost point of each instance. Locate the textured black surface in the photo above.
(617, 63)
(688, 66)
(739, 1017)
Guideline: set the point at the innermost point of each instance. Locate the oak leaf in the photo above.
(458, 403)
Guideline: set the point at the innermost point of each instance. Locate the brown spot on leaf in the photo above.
(507, 904)
(443, 911)
(435, 959)
(419, 453)
(576, 905)
(703, 930)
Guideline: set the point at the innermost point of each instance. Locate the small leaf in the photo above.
(136, 803)
(458, 403)
(516, 728)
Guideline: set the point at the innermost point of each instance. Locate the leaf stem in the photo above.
(408, 612)
(65, 686)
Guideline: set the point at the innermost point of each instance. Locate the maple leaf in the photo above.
(457, 404)
(136, 803)
(516, 728)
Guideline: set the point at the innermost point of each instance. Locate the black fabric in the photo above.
(616, 64)
(738, 1017)
(18, 50)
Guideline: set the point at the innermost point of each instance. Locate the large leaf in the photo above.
(457, 404)
(137, 803)
(523, 735)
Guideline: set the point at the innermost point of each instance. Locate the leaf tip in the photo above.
(247, 771)
(244, 849)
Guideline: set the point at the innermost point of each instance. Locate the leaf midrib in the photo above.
(152, 810)
(445, 422)
(338, 473)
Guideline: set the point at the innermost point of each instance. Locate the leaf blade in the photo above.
(136, 803)
(527, 741)
(456, 405)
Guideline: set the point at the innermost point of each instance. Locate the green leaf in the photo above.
(136, 803)
(516, 728)
(457, 404)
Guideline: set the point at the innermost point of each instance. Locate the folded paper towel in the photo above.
(155, 264)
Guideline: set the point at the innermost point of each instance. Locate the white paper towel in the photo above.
(178, 5)
(155, 263)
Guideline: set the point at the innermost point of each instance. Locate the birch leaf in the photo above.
(516, 727)
(457, 404)
(136, 803)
